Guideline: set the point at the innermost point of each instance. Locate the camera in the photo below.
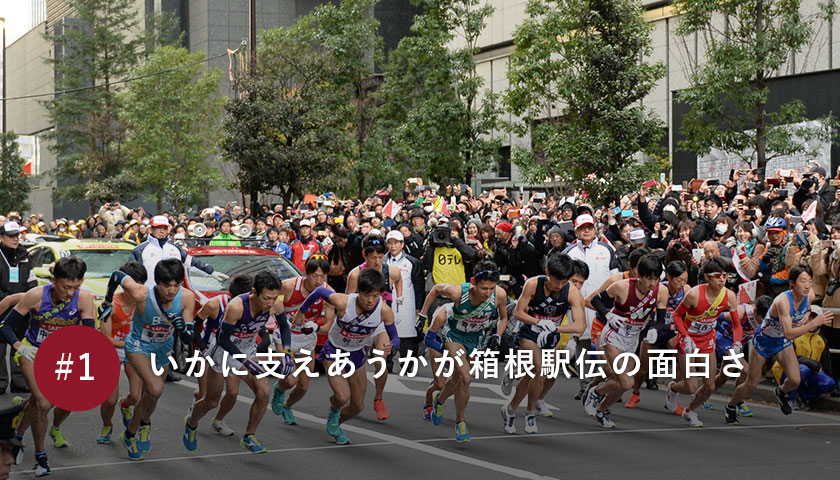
(832, 286)
(441, 236)
(808, 183)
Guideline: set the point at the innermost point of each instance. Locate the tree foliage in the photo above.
(746, 42)
(13, 183)
(349, 33)
(577, 79)
(102, 45)
(173, 122)
(443, 118)
(286, 131)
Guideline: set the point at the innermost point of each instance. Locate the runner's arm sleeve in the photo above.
(116, 280)
(737, 329)
(392, 335)
(285, 331)
(225, 341)
(602, 303)
(318, 293)
(198, 335)
(679, 322)
(7, 328)
(660, 319)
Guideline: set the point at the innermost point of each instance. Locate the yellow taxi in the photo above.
(101, 257)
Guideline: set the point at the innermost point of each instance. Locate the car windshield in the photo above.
(100, 263)
(233, 265)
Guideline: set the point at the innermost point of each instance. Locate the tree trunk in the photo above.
(159, 205)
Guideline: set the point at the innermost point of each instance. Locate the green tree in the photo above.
(286, 131)
(442, 118)
(173, 125)
(728, 95)
(349, 34)
(102, 44)
(13, 183)
(577, 79)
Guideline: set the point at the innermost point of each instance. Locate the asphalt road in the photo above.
(648, 443)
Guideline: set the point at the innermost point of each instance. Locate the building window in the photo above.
(504, 162)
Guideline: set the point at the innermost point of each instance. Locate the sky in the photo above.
(16, 13)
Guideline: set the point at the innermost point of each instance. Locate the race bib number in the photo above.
(45, 331)
(473, 325)
(698, 328)
(243, 340)
(156, 333)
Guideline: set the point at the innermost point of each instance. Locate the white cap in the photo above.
(395, 235)
(160, 221)
(305, 223)
(637, 236)
(11, 228)
(584, 219)
(375, 232)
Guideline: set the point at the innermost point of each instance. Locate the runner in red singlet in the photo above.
(695, 320)
(304, 337)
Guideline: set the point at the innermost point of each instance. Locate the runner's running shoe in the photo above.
(461, 433)
(508, 419)
(633, 401)
(105, 436)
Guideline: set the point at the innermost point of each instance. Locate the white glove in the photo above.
(651, 336)
(571, 346)
(547, 339)
(546, 325)
(219, 276)
(28, 352)
(737, 348)
(688, 345)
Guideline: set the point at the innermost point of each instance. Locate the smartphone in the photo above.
(412, 180)
(774, 181)
(676, 188)
(750, 185)
(783, 193)
(650, 183)
(697, 253)
(627, 213)
(834, 182)
(784, 173)
(732, 174)
(504, 278)
(750, 212)
(713, 182)
(616, 211)
(539, 195)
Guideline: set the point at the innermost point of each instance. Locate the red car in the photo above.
(231, 261)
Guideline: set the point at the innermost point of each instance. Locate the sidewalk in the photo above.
(764, 393)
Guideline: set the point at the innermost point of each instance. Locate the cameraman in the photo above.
(445, 256)
(814, 185)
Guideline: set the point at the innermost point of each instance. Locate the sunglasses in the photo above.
(717, 275)
(487, 275)
(318, 256)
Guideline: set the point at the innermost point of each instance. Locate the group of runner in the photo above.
(142, 320)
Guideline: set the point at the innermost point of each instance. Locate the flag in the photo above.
(746, 292)
(810, 212)
(608, 242)
(391, 209)
(440, 206)
(736, 262)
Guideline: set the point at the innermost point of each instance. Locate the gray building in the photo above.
(209, 26)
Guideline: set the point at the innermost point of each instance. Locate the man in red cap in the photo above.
(158, 248)
(602, 263)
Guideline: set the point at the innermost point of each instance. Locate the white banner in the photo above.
(717, 163)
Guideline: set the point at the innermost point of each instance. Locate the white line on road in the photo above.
(420, 445)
